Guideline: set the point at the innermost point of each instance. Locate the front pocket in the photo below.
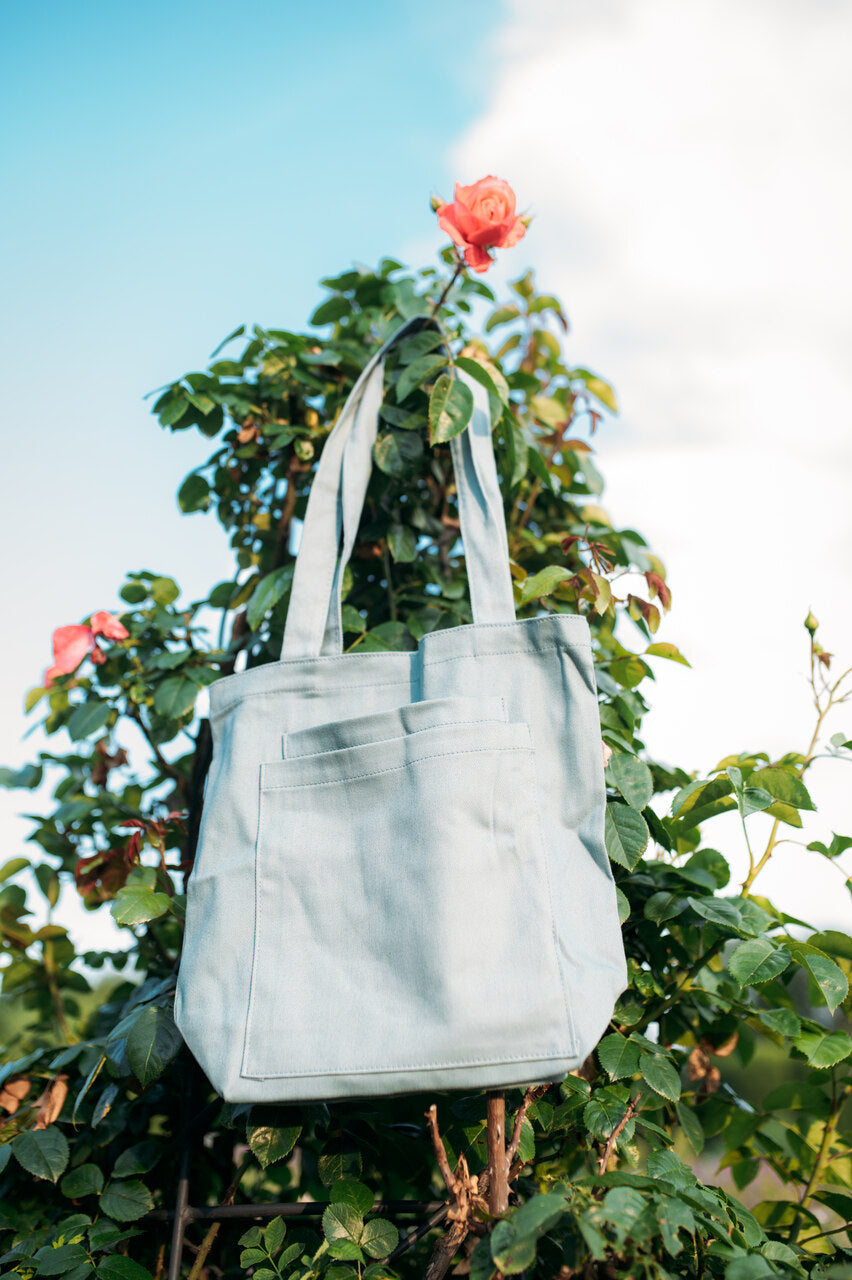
(379, 725)
(402, 914)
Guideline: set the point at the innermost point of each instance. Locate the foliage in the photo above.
(100, 1097)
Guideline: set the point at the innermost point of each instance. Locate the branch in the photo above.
(532, 1095)
(613, 1137)
(166, 766)
(440, 1150)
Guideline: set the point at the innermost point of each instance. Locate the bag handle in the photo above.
(337, 496)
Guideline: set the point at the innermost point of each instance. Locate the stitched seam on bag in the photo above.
(566, 641)
(376, 773)
(371, 684)
(558, 1056)
(256, 938)
(378, 742)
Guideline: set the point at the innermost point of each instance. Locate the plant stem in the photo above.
(822, 1161)
(453, 278)
(822, 709)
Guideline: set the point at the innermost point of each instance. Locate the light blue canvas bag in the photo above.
(401, 881)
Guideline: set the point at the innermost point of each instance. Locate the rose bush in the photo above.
(709, 1135)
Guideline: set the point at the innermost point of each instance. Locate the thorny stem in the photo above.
(448, 286)
(616, 1133)
(823, 704)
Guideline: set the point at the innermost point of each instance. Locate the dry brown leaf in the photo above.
(51, 1102)
(697, 1063)
(13, 1092)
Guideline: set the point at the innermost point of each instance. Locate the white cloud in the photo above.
(688, 169)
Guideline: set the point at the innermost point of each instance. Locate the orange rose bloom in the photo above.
(482, 217)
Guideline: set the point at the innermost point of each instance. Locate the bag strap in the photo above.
(336, 500)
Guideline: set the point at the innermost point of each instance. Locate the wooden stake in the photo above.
(498, 1169)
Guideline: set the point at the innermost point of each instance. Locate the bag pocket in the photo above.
(403, 918)
(412, 718)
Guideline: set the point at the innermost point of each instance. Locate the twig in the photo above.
(614, 1136)
(532, 1095)
(453, 278)
(440, 1150)
(166, 766)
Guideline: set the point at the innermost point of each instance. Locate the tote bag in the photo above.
(401, 881)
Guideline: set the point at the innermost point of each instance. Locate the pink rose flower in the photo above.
(482, 217)
(72, 644)
(607, 754)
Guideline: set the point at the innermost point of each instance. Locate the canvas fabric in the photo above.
(401, 881)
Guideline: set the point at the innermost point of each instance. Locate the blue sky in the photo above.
(176, 169)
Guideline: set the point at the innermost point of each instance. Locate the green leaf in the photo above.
(823, 1050)
(691, 1126)
(126, 1201)
(828, 976)
(354, 1194)
(332, 309)
(839, 844)
(719, 911)
(267, 593)
(604, 1110)
(85, 1180)
(27, 778)
(397, 452)
(664, 906)
(757, 961)
(194, 493)
(783, 1021)
(57, 1260)
(136, 1159)
(487, 375)
(402, 543)
(450, 408)
(596, 387)
(660, 1074)
(419, 372)
(513, 1242)
(333, 1166)
(341, 1222)
(271, 1143)
(379, 1237)
(137, 904)
(632, 778)
(352, 620)
(274, 1234)
(153, 1042)
(502, 315)
(618, 1057)
(88, 718)
(42, 1152)
(12, 867)
(175, 697)
(543, 583)
(626, 834)
(115, 1266)
(663, 649)
(703, 799)
(782, 785)
(163, 590)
